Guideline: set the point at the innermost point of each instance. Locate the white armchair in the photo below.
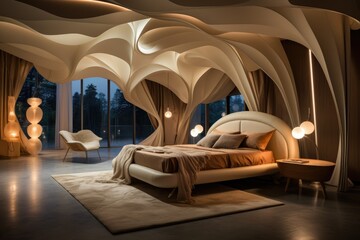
(83, 140)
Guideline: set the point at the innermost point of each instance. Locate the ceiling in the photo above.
(129, 41)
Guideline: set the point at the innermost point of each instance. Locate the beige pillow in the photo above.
(208, 140)
(218, 132)
(230, 141)
(258, 140)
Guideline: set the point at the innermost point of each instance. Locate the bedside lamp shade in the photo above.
(12, 128)
(298, 133)
(308, 127)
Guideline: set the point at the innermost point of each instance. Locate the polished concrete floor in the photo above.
(34, 206)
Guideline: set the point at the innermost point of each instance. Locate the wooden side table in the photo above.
(306, 169)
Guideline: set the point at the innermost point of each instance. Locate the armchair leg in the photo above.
(66, 154)
(98, 153)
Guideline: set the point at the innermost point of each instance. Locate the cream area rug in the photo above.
(123, 208)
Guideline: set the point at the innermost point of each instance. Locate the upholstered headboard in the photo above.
(282, 143)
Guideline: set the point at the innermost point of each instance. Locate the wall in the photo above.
(354, 108)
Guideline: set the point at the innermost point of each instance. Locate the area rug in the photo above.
(124, 208)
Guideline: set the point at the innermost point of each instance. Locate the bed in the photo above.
(281, 145)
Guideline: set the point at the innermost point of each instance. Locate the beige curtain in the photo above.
(13, 72)
(141, 97)
(64, 109)
(164, 98)
(267, 96)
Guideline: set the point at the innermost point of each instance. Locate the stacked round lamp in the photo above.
(34, 115)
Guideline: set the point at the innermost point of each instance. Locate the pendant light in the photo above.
(168, 113)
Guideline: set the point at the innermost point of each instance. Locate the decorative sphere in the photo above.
(168, 114)
(34, 114)
(308, 127)
(298, 133)
(199, 128)
(34, 146)
(34, 102)
(34, 130)
(194, 133)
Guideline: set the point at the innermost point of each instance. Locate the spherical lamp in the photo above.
(308, 127)
(168, 113)
(199, 128)
(194, 133)
(298, 133)
(34, 115)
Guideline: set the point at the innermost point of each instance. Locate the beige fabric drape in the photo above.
(164, 98)
(267, 96)
(140, 96)
(13, 72)
(64, 110)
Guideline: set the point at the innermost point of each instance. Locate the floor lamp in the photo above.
(302, 131)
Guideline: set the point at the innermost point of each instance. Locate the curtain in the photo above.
(141, 97)
(163, 98)
(267, 96)
(64, 110)
(13, 73)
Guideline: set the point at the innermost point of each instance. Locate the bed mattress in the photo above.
(164, 159)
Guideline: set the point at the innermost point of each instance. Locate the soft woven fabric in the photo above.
(258, 140)
(229, 141)
(208, 140)
(124, 208)
(189, 164)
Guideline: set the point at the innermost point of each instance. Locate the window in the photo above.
(99, 105)
(95, 107)
(237, 103)
(208, 114)
(216, 110)
(143, 125)
(121, 118)
(37, 86)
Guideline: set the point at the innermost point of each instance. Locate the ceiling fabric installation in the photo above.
(199, 43)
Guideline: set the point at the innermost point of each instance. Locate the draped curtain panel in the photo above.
(267, 95)
(164, 98)
(64, 112)
(353, 109)
(13, 73)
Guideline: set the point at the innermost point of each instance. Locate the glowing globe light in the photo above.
(308, 127)
(34, 115)
(194, 133)
(168, 113)
(199, 128)
(298, 133)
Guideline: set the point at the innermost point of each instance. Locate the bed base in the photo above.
(169, 180)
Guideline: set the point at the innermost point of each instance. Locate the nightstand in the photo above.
(306, 169)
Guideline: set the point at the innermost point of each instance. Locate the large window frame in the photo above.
(134, 112)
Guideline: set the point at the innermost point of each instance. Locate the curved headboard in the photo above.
(282, 144)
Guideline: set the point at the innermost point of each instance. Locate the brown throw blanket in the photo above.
(189, 164)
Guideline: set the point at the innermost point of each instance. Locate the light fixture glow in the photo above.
(308, 127)
(298, 133)
(168, 113)
(199, 128)
(34, 115)
(12, 128)
(194, 132)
